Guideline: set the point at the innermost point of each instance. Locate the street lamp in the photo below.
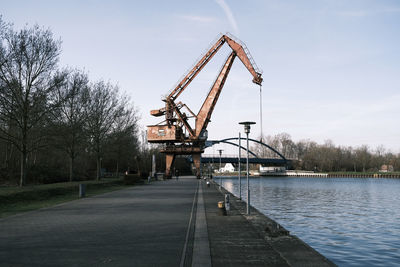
(220, 153)
(247, 131)
(240, 180)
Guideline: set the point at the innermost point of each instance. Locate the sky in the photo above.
(331, 68)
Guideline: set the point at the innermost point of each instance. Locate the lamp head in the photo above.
(247, 125)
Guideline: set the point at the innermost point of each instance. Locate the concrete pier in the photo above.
(165, 223)
(255, 238)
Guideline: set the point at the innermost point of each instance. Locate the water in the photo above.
(351, 221)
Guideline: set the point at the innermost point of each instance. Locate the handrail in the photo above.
(246, 50)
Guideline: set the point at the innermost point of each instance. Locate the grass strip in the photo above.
(14, 200)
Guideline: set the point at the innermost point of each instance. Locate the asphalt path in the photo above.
(140, 226)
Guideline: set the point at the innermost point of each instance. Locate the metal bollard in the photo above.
(227, 203)
(82, 190)
(208, 184)
(221, 208)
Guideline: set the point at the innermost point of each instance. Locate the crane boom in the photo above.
(191, 141)
(196, 69)
(204, 115)
(246, 59)
(235, 46)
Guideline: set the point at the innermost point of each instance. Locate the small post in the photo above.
(82, 190)
(261, 122)
(201, 168)
(220, 180)
(153, 165)
(221, 208)
(227, 203)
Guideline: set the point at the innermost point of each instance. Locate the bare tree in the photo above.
(363, 156)
(124, 137)
(3, 27)
(102, 111)
(71, 116)
(379, 157)
(28, 80)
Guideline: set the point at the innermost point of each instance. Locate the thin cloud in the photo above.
(358, 13)
(228, 14)
(364, 13)
(201, 19)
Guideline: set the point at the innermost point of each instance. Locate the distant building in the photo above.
(272, 169)
(386, 168)
(227, 168)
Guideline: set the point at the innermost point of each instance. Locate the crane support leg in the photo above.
(169, 161)
(197, 162)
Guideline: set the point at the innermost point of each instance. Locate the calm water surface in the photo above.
(351, 221)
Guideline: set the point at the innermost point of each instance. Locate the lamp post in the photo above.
(247, 131)
(220, 153)
(240, 181)
(261, 122)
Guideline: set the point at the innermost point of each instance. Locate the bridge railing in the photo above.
(236, 156)
(224, 156)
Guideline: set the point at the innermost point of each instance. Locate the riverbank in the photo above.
(363, 175)
(294, 173)
(330, 175)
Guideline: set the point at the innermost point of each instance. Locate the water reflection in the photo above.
(352, 221)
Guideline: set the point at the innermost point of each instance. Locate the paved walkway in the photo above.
(140, 226)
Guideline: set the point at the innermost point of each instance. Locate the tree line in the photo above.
(56, 124)
(327, 157)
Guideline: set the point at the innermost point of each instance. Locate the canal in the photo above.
(351, 221)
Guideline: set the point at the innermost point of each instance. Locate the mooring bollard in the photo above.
(82, 190)
(221, 207)
(227, 204)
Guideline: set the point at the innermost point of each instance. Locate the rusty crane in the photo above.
(179, 137)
